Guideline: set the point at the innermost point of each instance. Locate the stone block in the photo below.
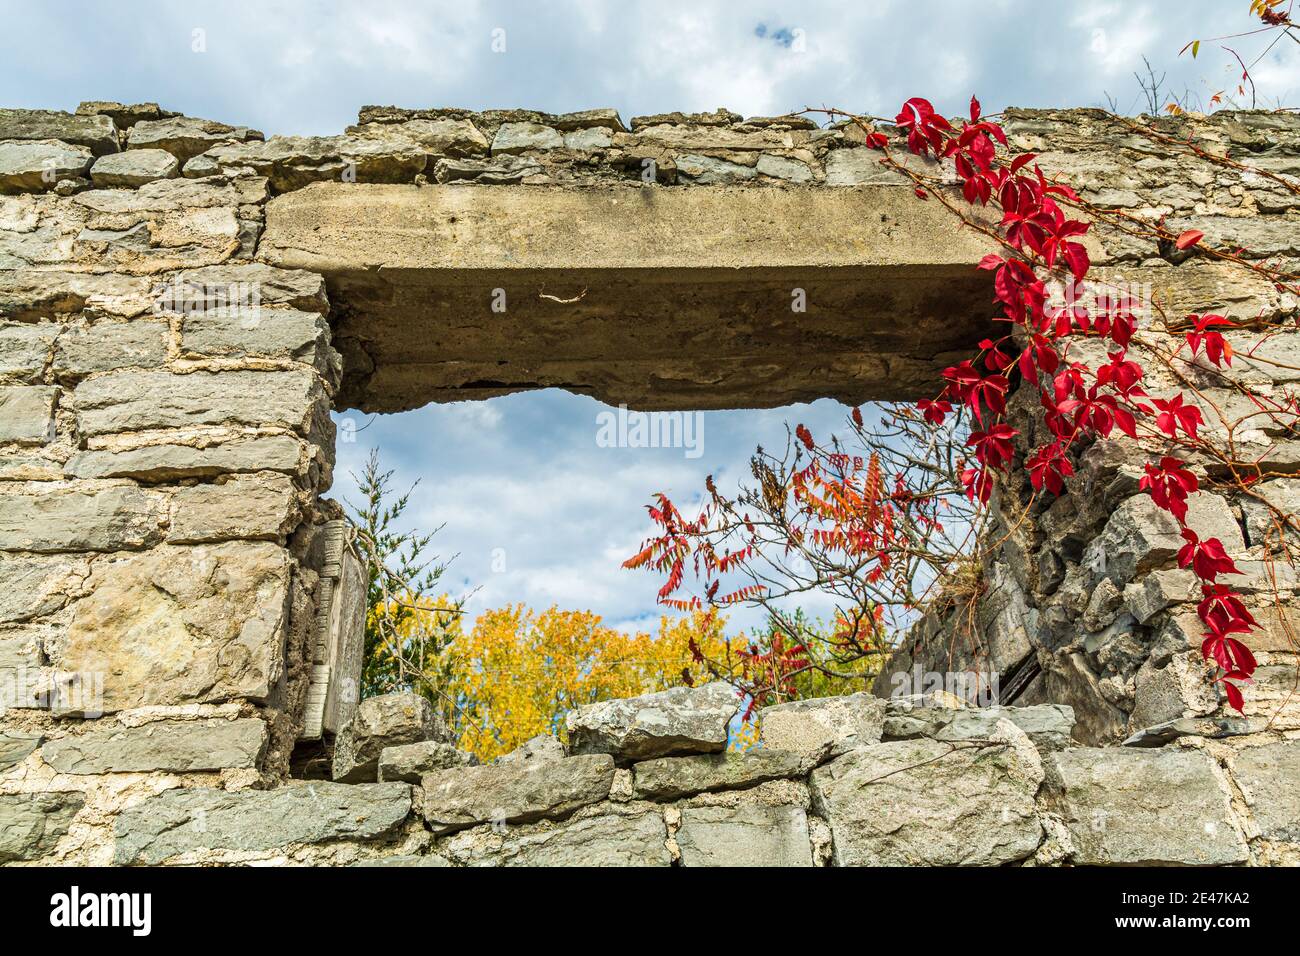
(181, 625)
(177, 746)
(97, 133)
(158, 463)
(16, 745)
(388, 720)
(106, 346)
(32, 823)
(211, 287)
(133, 168)
(190, 822)
(514, 793)
(185, 136)
(1143, 807)
(678, 721)
(39, 166)
(518, 137)
(539, 748)
(410, 762)
(667, 778)
(746, 835)
(782, 167)
(1267, 776)
(929, 803)
(821, 727)
(260, 506)
(1049, 726)
(23, 350)
(27, 414)
(597, 841)
(71, 518)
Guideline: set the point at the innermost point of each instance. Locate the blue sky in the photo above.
(523, 478)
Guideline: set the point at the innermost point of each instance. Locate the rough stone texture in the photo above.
(77, 518)
(32, 823)
(1049, 726)
(380, 722)
(666, 778)
(164, 463)
(40, 165)
(747, 835)
(679, 721)
(410, 762)
(596, 841)
(95, 132)
(134, 167)
(514, 793)
(823, 727)
(539, 748)
(184, 137)
(1144, 807)
(170, 745)
(181, 822)
(180, 625)
(925, 803)
(15, 746)
(27, 414)
(1267, 776)
(247, 507)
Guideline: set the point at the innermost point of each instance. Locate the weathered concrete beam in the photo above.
(656, 297)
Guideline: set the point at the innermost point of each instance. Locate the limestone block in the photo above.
(179, 625)
(254, 283)
(134, 401)
(822, 727)
(782, 167)
(23, 349)
(1049, 726)
(410, 762)
(154, 463)
(514, 793)
(443, 136)
(15, 746)
(678, 721)
(1267, 776)
(178, 746)
(133, 168)
(518, 137)
(708, 171)
(1143, 807)
(191, 821)
(381, 722)
(37, 585)
(185, 136)
(596, 841)
(746, 835)
(78, 518)
(40, 165)
(32, 823)
(539, 748)
(27, 414)
(927, 803)
(291, 162)
(666, 778)
(261, 506)
(97, 133)
(106, 346)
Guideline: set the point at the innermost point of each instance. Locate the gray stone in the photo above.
(585, 119)
(1267, 776)
(444, 136)
(597, 841)
(15, 746)
(1261, 236)
(667, 778)
(1158, 735)
(708, 171)
(94, 132)
(49, 520)
(746, 835)
(262, 332)
(249, 283)
(1143, 807)
(178, 746)
(539, 748)
(133, 168)
(23, 349)
(156, 463)
(495, 171)
(929, 803)
(781, 167)
(107, 346)
(260, 506)
(133, 401)
(1151, 594)
(678, 721)
(388, 720)
(34, 586)
(517, 137)
(40, 165)
(292, 162)
(1049, 726)
(27, 414)
(123, 115)
(194, 820)
(514, 793)
(862, 167)
(185, 136)
(588, 139)
(1140, 536)
(32, 823)
(410, 762)
(822, 727)
(181, 625)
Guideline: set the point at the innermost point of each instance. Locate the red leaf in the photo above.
(1190, 238)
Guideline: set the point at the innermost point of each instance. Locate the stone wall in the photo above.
(165, 446)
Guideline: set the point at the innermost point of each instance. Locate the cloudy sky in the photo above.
(523, 479)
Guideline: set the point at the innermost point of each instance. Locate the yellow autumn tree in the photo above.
(517, 672)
